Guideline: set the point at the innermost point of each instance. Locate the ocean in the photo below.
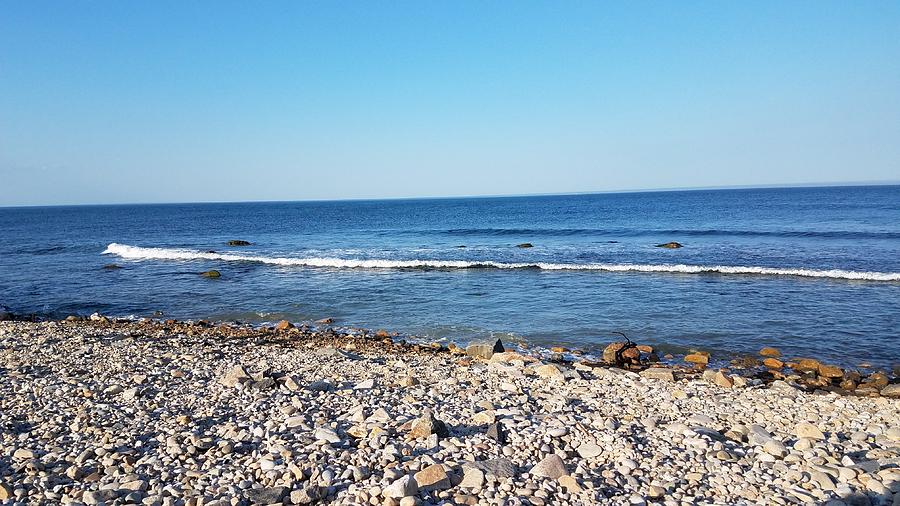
(812, 271)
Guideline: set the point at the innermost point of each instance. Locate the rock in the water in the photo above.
(112, 267)
(267, 495)
(284, 325)
(670, 245)
(433, 477)
(773, 363)
(238, 242)
(768, 351)
(211, 274)
(551, 467)
(525, 245)
(697, 358)
(427, 425)
(658, 373)
(808, 430)
(401, 487)
(484, 349)
(324, 321)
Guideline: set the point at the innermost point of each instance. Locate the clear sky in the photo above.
(104, 102)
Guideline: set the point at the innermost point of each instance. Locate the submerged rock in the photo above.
(112, 267)
(525, 245)
(670, 245)
(211, 274)
(238, 242)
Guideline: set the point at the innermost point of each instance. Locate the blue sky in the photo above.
(104, 102)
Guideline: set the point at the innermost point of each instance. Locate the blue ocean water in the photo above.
(814, 271)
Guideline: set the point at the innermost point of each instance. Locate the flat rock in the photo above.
(433, 477)
(401, 487)
(808, 431)
(658, 373)
(499, 467)
(267, 495)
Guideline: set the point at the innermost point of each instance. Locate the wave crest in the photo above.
(142, 253)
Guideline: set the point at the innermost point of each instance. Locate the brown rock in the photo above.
(382, 333)
(427, 425)
(559, 349)
(848, 384)
(877, 380)
(770, 352)
(773, 363)
(5, 492)
(283, 325)
(644, 348)
(670, 245)
(211, 274)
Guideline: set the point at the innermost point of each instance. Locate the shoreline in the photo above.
(150, 412)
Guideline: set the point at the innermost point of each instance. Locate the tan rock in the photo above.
(549, 371)
(559, 349)
(722, 380)
(551, 466)
(659, 373)
(808, 431)
(5, 492)
(484, 417)
(433, 477)
(325, 321)
(569, 483)
(284, 325)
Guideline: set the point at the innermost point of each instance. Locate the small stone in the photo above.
(401, 487)
(472, 478)
(309, 494)
(365, 385)
(551, 467)
(267, 495)
(23, 454)
(496, 432)
(808, 430)
(327, 435)
(433, 477)
(234, 376)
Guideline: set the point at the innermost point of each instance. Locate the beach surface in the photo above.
(107, 412)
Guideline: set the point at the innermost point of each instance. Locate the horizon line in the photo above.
(832, 184)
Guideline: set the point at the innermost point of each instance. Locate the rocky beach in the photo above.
(177, 413)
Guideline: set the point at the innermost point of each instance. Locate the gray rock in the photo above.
(499, 467)
(267, 495)
(484, 349)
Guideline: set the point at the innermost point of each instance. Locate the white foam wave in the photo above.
(140, 253)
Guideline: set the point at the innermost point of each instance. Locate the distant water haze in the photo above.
(813, 271)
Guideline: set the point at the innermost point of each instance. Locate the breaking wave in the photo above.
(142, 253)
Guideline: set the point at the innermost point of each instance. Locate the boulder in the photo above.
(238, 242)
(484, 349)
(807, 364)
(670, 245)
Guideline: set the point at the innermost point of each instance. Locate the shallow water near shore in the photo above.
(813, 271)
